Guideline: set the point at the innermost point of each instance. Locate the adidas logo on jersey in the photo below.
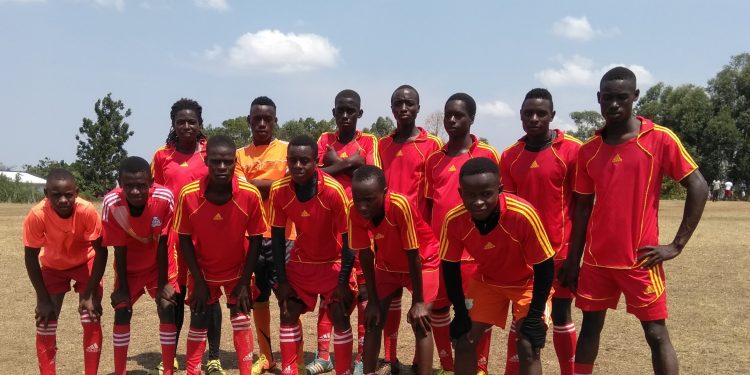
(218, 217)
(184, 164)
(649, 290)
(488, 246)
(534, 164)
(379, 236)
(452, 168)
(344, 155)
(616, 159)
(399, 153)
(93, 348)
(155, 222)
(305, 213)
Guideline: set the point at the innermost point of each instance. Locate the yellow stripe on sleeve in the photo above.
(536, 224)
(452, 214)
(676, 140)
(402, 204)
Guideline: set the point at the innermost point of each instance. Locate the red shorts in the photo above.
(215, 291)
(310, 280)
(468, 269)
(140, 283)
(58, 281)
(389, 282)
(559, 291)
(599, 289)
(173, 246)
(489, 303)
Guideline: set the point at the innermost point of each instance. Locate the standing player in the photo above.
(136, 217)
(340, 153)
(540, 168)
(215, 217)
(403, 154)
(618, 181)
(506, 237)
(261, 163)
(441, 191)
(179, 162)
(404, 256)
(62, 240)
(320, 262)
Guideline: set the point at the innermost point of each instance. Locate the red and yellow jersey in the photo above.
(506, 255)
(139, 234)
(264, 162)
(65, 243)
(441, 180)
(366, 145)
(626, 180)
(319, 221)
(173, 169)
(402, 229)
(220, 232)
(545, 179)
(403, 165)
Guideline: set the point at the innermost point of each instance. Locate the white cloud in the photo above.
(579, 29)
(220, 5)
(272, 50)
(21, 1)
(497, 108)
(119, 5)
(581, 71)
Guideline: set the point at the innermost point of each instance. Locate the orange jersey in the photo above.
(401, 229)
(441, 180)
(366, 145)
(220, 232)
(173, 169)
(507, 253)
(139, 234)
(626, 180)
(545, 179)
(65, 243)
(403, 165)
(319, 222)
(264, 162)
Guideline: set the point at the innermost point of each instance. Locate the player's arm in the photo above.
(339, 165)
(45, 309)
(166, 292)
(568, 276)
(697, 194)
(372, 311)
(461, 323)
(278, 247)
(200, 289)
(418, 315)
(89, 300)
(242, 291)
(343, 293)
(533, 325)
(121, 295)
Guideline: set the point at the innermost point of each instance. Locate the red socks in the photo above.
(584, 368)
(361, 329)
(324, 332)
(564, 338)
(441, 333)
(168, 340)
(483, 350)
(46, 347)
(511, 363)
(290, 340)
(243, 342)
(342, 346)
(92, 344)
(390, 331)
(120, 342)
(196, 345)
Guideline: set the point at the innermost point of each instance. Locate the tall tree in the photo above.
(236, 128)
(308, 126)
(42, 168)
(100, 146)
(587, 122)
(381, 127)
(434, 124)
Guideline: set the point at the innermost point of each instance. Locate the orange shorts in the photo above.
(558, 290)
(599, 289)
(489, 303)
(468, 270)
(310, 280)
(215, 291)
(58, 281)
(139, 284)
(389, 282)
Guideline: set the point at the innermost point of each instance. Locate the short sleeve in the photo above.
(339, 208)
(256, 223)
(322, 145)
(33, 231)
(528, 228)
(506, 177)
(429, 169)
(676, 161)
(93, 227)
(404, 217)
(182, 223)
(157, 170)
(373, 157)
(359, 237)
(277, 214)
(583, 183)
(238, 165)
(451, 245)
(112, 232)
(166, 220)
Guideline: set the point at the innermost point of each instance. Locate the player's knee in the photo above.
(123, 315)
(561, 311)
(166, 313)
(440, 310)
(526, 352)
(362, 295)
(656, 335)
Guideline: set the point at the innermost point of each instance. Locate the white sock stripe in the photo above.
(340, 342)
(46, 333)
(116, 345)
(85, 320)
(121, 339)
(196, 338)
(48, 329)
(343, 335)
(241, 324)
(440, 318)
(240, 318)
(396, 303)
(168, 342)
(564, 330)
(121, 334)
(297, 339)
(488, 330)
(167, 334)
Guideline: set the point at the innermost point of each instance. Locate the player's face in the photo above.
(536, 114)
(368, 197)
(301, 161)
(135, 186)
(405, 106)
(220, 162)
(62, 196)
(262, 120)
(187, 124)
(479, 194)
(456, 119)
(616, 99)
(346, 113)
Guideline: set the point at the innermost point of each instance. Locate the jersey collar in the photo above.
(357, 135)
(559, 136)
(421, 137)
(646, 126)
(474, 144)
(203, 184)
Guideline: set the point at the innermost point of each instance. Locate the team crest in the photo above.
(155, 222)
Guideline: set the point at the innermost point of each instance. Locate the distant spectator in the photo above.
(715, 190)
(743, 190)
(728, 190)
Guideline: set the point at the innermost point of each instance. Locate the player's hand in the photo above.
(284, 292)
(460, 325)
(166, 295)
(419, 317)
(568, 275)
(356, 160)
(199, 298)
(244, 299)
(372, 314)
(44, 312)
(90, 306)
(330, 157)
(534, 330)
(120, 298)
(651, 256)
(343, 295)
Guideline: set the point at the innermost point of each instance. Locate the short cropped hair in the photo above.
(134, 164)
(60, 174)
(471, 104)
(618, 73)
(220, 140)
(263, 100)
(477, 166)
(539, 93)
(305, 140)
(367, 172)
(405, 87)
(348, 93)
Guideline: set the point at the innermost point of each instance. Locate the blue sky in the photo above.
(60, 56)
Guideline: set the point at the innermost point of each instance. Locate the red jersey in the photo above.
(220, 232)
(545, 179)
(403, 165)
(319, 222)
(139, 234)
(173, 169)
(366, 145)
(507, 253)
(441, 179)
(626, 179)
(402, 229)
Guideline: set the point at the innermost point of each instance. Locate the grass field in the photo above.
(708, 300)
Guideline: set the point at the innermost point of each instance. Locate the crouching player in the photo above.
(506, 237)
(320, 262)
(62, 240)
(404, 255)
(225, 218)
(136, 220)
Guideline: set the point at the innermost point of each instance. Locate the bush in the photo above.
(671, 189)
(19, 192)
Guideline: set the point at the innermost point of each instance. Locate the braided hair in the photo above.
(178, 106)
